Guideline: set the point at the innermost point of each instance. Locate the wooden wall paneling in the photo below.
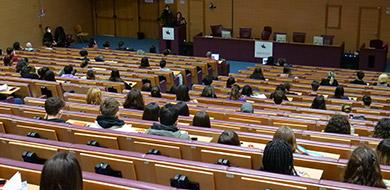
(148, 14)
(105, 21)
(369, 25)
(126, 12)
(222, 14)
(196, 20)
(333, 16)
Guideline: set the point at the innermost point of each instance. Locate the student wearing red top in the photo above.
(10, 58)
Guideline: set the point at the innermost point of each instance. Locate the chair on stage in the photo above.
(266, 34)
(216, 30)
(245, 33)
(328, 39)
(299, 37)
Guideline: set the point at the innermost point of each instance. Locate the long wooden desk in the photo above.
(296, 53)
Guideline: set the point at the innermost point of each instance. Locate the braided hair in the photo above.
(278, 158)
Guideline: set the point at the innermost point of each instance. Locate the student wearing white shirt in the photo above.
(163, 65)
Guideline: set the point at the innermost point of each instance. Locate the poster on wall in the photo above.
(169, 1)
(168, 33)
(263, 49)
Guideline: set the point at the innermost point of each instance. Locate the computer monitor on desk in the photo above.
(215, 57)
(226, 34)
(318, 40)
(281, 38)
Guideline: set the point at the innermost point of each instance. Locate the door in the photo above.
(148, 15)
(369, 25)
(196, 18)
(105, 22)
(126, 14)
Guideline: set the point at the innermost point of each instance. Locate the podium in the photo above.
(371, 59)
(173, 38)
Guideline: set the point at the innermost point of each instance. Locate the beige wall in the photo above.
(289, 16)
(20, 21)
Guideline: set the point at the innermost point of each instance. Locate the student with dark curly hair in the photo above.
(382, 129)
(338, 124)
(278, 158)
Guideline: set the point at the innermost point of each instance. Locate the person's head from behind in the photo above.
(53, 106)
(115, 75)
(68, 69)
(287, 86)
(360, 75)
(92, 43)
(49, 76)
(182, 109)
(151, 112)
(17, 46)
(363, 168)
(278, 97)
(247, 90)
(201, 119)
(367, 100)
(315, 85)
(48, 29)
(147, 87)
(83, 53)
(229, 137)
(278, 157)
(382, 79)
(208, 80)
(106, 44)
(235, 93)
(20, 65)
(94, 96)
(163, 64)
(208, 91)
(134, 100)
(152, 49)
(109, 107)
(29, 69)
(155, 92)
(168, 115)
(91, 75)
(166, 52)
(338, 124)
(383, 151)
(42, 72)
(145, 62)
(258, 72)
(346, 108)
(339, 92)
(247, 108)
(182, 93)
(84, 63)
(286, 134)
(230, 81)
(382, 129)
(60, 172)
(10, 51)
(319, 103)
(29, 45)
(121, 44)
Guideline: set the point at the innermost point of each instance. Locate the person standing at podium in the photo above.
(180, 20)
(166, 18)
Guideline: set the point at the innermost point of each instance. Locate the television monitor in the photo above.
(318, 40)
(281, 38)
(215, 56)
(226, 34)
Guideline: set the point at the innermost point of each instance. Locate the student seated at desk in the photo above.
(247, 108)
(281, 88)
(167, 126)
(257, 74)
(134, 100)
(339, 93)
(359, 78)
(144, 63)
(229, 137)
(208, 92)
(10, 58)
(383, 151)
(286, 72)
(278, 158)
(235, 94)
(29, 72)
(60, 172)
(338, 124)
(382, 129)
(116, 77)
(383, 80)
(278, 97)
(94, 96)
(182, 109)
(247, 91)
(21, 64)
(315, 85)
(155, 92)
(90, 75)
(68, 72)
(201, 119)
(182, 93)
(330, 80)
(151, 112)
(163, 64)
(230, 81)
(53, 108)
(367, 101)
(319, 103)
(83, 55)
(363, 168)
(11, 99)
(50, 76)
(42, 72)
(108, 118)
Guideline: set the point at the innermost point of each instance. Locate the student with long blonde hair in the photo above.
(94, 96)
